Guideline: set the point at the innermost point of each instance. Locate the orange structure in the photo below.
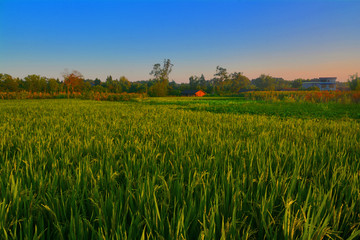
(196, 93)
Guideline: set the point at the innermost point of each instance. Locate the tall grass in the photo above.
(72, 169)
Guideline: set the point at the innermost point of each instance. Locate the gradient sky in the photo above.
(289, 39)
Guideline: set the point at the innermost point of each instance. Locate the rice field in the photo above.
(175, 169)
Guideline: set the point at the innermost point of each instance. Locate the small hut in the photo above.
(193, 93)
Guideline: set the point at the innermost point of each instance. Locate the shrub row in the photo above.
(87, 95)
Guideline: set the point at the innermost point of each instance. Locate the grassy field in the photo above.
(179, 168)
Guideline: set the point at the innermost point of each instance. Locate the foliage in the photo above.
(237, 82)
(162, 73)
(221, 76)
(313, 88)
(265, 83)
(74, 169)
(354, 82)
(53, 85)
(222, 84)
(297, 83)
(35, 83)
(196, 82)
(117, 86)
(99, 96)
(8, 83)
(73, 81)
(161, 79)
(159, 89)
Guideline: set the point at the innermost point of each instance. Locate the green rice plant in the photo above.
(76, 169)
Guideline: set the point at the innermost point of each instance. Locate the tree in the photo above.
(238, 81)
(109, 79)
(97, 82)
(139, 87)
(112, 85)
(35, 83)
(280, 84)
(52, 85)
(159, 89)
(8, 83)
(265, 83)
(194, 82)
(161, 78)
(124, 84)
(354, 82)
(202, 82)
(297, 83)
(73, 81)
(98, 88)
(174, 89)
(221, 74)
(220, 78)
(164, 72)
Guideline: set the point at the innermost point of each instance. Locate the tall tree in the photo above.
(110, 85)
(221, 76)
(194, 82)
(73, 81)
(354, 82)
(161, 78)
(202, 82)
(221, 73)
(124, 84)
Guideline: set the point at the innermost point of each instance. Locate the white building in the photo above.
(323, 83)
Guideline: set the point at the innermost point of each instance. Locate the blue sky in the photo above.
(288, 39)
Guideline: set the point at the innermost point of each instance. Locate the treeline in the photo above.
(232, 83)
(222, 83)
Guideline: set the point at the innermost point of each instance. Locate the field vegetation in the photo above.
(306, 96)
(99, 96)
(179, 168)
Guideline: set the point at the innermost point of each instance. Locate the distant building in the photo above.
(323, 83)
(195, 93)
